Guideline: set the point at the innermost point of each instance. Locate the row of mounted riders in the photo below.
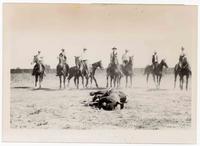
(114, 71)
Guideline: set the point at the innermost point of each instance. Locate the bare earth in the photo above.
(49, 107)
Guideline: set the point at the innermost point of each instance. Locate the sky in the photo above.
(141, 29)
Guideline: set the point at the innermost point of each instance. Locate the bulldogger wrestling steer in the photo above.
(108, 99)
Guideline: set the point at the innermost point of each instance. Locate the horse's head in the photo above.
(77, 61)
(131, 60)
(99, 64)
(163, 63)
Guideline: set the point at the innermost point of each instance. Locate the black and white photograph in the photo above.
(100, 67)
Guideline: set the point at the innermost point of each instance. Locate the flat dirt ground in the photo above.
(52, 108)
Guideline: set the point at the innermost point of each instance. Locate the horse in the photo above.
(93, 70)
(182, 71)
(62, 71)
(83, 72)
(114, 72)
(127, 70)
(38, 72)
(75, 72)
(156, 72)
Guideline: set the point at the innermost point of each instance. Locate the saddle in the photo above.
(38, 68)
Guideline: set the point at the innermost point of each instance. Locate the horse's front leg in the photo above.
(111, 81)
(68, 79)
(181, 82)
(60, 77)
(83, 81)
(187, 82)
(131, 80)
(175, 76)
(153, 77)
(114, 81)
(126, 81)
(64, 78)
(86, 84)
(40, 81)
(36, 80)
(77, 82)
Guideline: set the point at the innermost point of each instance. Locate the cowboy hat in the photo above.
(114, 48)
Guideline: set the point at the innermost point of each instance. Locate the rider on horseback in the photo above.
(113, 56)
(84, 59)
(62, 60)
(125, 57)
(38, 60)
(181, 57)
(155, 60)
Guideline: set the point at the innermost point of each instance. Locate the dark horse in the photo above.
(75, 72)
(62, 71)
(93, 70)
(156, 72)
(182, 71)
(113, 71)
(38, 72)
(127, 70)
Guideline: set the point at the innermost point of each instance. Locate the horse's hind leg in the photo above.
(95, 81)
(91, 78)
(160, 79)
(69, 78)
